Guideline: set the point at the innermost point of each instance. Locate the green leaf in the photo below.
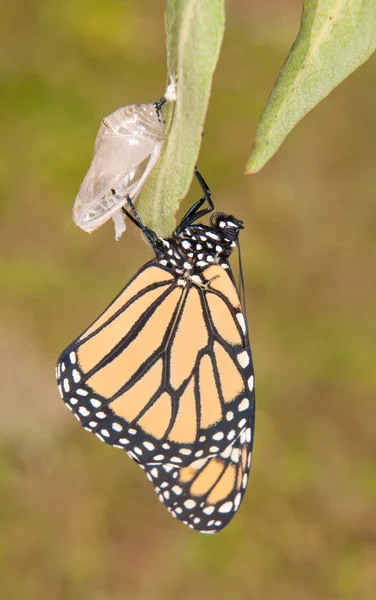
(335, 37)
(194, 32)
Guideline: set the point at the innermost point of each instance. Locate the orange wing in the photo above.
(166, 374)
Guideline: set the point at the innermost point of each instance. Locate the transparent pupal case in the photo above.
(127, 147)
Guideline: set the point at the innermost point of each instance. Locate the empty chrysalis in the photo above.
(127, 147)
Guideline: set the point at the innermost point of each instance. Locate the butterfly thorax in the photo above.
(198, 246)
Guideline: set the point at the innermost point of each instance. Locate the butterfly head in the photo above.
(227, 225)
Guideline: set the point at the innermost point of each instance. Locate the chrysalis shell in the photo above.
(126, 149)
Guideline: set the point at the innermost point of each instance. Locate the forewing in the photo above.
(129, 378)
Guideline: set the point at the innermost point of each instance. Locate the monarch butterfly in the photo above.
(165, 373)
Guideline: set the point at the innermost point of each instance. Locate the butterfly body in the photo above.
(188, 252)
(165, 373)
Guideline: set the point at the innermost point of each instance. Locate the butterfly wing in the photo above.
(206, 493)
(166, 374)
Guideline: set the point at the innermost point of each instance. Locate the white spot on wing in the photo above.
(197, 464)
(237, 501)
(226, 453)
(76, 376)
(226, 507)
(185, 451)
(244, 404)
(241, 321)
(149, 446)
(243, 359)
(196, 279)
(81, 392)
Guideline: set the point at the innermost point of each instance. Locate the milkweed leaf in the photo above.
(335, 37)
(194, 32)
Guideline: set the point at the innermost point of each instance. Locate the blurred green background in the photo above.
(78, 519)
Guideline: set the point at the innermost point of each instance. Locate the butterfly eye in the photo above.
(126, 149)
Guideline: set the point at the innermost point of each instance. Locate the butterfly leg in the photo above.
(194, 212)
(150, 235)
